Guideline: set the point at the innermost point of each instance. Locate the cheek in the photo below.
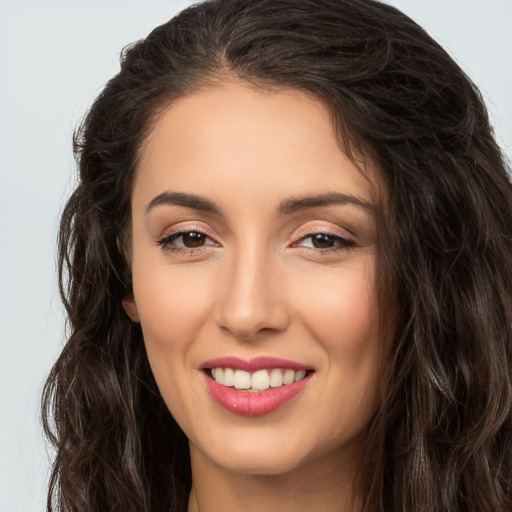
(343, 317)
(172, 309)
(342, 310)
(171, 304)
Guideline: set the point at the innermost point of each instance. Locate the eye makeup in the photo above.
(186, 240)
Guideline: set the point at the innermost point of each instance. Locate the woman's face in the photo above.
(254, 251)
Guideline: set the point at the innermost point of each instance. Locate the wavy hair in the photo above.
(441, 440)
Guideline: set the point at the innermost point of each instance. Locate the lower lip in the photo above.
(257, 403)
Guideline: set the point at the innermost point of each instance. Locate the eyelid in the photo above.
(183, 228)
(167, 241)
(313, 229)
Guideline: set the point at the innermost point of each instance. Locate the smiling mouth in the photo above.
(258, 381)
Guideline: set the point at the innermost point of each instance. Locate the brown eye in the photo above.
(193, 239)
(323, 241)
(185, 240)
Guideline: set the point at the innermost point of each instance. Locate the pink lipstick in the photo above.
(256, 386)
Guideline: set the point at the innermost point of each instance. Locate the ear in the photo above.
(130, 308)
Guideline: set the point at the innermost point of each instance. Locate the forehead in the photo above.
(232, 136)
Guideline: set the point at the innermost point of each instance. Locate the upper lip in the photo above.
(253, 364)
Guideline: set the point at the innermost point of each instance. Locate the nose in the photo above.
(252, 299)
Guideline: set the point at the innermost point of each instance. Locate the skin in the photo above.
(258, 286)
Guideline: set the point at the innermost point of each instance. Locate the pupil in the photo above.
(193, 239)
(323, 241)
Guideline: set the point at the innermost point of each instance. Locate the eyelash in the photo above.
(340, 243)
(166, 242)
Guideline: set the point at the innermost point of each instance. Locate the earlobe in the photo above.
(130, 308)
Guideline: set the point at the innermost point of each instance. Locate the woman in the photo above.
(287, 269)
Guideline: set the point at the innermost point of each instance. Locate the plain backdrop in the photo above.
(55, 55)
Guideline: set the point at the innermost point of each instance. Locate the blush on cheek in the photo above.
(347, 313)
(167, 309)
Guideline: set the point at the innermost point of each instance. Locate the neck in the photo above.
(324, 486)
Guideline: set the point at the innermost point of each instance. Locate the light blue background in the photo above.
(54, 58)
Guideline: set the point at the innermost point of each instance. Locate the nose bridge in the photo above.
(253, 300)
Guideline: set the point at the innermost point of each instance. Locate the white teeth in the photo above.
(229, 377)
(260, 380)
(276, 378)
(288, 377)
(242, 380)
(298, 375)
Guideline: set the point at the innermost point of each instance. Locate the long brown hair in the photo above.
(441, 440)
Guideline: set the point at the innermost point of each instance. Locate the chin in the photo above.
(265, 451)
(251, 459)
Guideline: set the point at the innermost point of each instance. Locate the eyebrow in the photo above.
(295, 204)
(287, 207)
(187, 200)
